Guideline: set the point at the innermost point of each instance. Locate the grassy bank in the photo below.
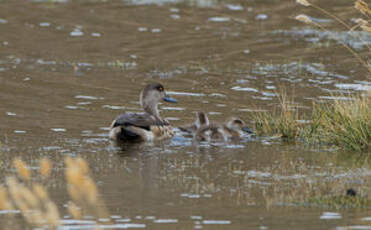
(342, 123)
(345, 124)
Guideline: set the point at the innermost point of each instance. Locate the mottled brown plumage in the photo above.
(233, 128)
(201, 121)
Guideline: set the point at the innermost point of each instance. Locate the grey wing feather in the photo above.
(188, 128)
(142, 120)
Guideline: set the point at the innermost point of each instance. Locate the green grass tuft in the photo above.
(345, 124)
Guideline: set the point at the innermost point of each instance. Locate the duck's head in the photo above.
(151, 95)
(237, 124)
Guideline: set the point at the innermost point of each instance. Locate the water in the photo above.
(68, 68)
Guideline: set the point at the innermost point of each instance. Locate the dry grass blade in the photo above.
(304, 18)
(22, 169)
(34, 204)
(361, 21)
(5, 203)
(366, 28)
(45, 167)
(362, 7)
(83, 190)
(303, 2)
(283, 122)
(74, 210)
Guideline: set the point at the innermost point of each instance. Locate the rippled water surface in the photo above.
(67, 68)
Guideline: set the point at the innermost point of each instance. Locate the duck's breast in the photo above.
(162, 131)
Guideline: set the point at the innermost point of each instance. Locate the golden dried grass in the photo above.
(34, 203)
(304, 18)
(82, 189)
(303, 2)
(22, 169)
(362, 7)
(45, 167)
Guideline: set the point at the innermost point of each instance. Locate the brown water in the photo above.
(67, 69)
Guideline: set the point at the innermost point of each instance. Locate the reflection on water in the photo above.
(69, 67)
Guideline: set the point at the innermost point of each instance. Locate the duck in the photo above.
(233, 128)
(201, 121)
(146, 126)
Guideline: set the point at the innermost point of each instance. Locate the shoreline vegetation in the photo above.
(342, 123)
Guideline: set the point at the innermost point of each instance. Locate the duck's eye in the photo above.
(160, 88)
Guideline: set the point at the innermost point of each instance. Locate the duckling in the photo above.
(147, 126)
(201, 121)
(233, 128)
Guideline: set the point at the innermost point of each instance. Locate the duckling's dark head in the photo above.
(152, 94)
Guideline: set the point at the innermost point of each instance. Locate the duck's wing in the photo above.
(201, 121)
(190, 128)
(211, 131)
(141, 120)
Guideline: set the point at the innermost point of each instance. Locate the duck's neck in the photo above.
(151, 109)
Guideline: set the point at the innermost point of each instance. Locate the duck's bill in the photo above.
(247, 130)
(169, 99)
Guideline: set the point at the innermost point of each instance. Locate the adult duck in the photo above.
(147, 126)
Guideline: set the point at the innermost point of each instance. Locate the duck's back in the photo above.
(212, 131)
(135, 127)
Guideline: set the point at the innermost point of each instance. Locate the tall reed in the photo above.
(283, 121)
(346, 124)
(364, 24)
